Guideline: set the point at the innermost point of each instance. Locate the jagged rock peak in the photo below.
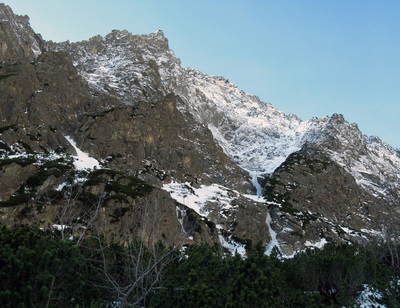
(159, 35)
(124, 35)
(121, 38)
(122, 64)
(18, 40)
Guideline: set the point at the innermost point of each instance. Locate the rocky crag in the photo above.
(182, 156)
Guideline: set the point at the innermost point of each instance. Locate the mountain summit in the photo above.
(186, 154)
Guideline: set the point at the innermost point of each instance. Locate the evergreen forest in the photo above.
(41, 269)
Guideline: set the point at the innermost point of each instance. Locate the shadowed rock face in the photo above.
(46, 99)
(156, 140)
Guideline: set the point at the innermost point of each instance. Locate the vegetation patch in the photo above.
(99, 115)
(4, 147)
(133, 189)
(315, 165)
(56, 168)
(118, 213)
(111, 158)
(28, 189)
(288, 207)
(17, 199)
(305, 217)
(27, 147)
(269, 191)
(161, 175)
(118, 185)
(5, 128)
(61, 150)
(91, 273)
(22, 161)
(5, 76)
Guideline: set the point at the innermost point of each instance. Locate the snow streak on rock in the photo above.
(232, 246)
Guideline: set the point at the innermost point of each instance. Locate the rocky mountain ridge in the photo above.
(256, 135)
(126, 100)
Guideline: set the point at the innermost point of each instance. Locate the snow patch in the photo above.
(196, 198)
(60, 227)
(82, 160)
(233, 247)
(320, 244)
(368, 298)
(61, 186)
(373, 233)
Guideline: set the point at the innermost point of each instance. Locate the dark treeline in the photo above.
(39, 269)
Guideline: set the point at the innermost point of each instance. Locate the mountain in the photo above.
(183, 155)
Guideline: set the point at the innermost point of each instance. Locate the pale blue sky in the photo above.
(310, 58)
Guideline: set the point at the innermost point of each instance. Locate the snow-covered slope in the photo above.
(255, 134)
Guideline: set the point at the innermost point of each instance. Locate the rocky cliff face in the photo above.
(206, 148)
(19, 41)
